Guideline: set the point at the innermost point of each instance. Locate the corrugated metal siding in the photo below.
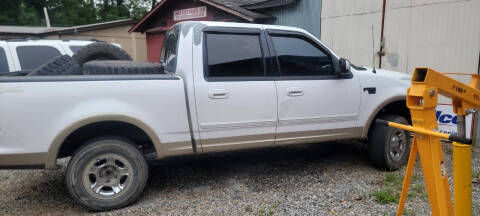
(304, 14)
(442, 34)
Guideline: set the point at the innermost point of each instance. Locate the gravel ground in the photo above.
(316, 179)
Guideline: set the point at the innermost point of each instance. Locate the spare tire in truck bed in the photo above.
(121, 67)
(100, 51)
(58, 66)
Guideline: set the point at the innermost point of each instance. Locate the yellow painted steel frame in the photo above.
(422, 99)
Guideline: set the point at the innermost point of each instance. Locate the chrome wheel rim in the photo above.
(108, 176)
(398, 145)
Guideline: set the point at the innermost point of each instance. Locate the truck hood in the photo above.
(387, 74)
(386, 78)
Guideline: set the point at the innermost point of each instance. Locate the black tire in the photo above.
(121, 67)
(100, 51)
(58, 66)
(383, 148)
(98, 162)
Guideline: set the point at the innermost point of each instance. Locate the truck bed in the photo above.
(35, 110)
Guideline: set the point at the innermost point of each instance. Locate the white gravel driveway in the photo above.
(316, 179)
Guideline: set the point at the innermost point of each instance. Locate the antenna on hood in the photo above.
(373, 50)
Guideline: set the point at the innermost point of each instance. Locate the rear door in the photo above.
(236, 101)
(314, 104)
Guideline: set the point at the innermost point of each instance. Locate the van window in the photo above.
(76, 48)
(234, 55)
(3, 61)
(31, 57)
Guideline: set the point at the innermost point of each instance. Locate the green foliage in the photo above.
(70, 12)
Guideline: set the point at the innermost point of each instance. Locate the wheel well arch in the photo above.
(73, 136)
(395, 106)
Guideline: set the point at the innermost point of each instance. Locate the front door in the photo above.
(236, 102)
(314, 104)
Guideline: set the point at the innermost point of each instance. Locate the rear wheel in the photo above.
(106, 173)
(389, 147)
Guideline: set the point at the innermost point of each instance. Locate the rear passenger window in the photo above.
(169, 50)
(31, 57)
(234, 55)
(3, 61)
(299, 57)
(76, 48)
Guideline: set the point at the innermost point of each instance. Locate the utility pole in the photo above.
(47, 20)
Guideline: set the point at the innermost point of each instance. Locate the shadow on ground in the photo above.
(37, 192)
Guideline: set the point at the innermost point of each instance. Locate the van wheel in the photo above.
(100, 51)
(106, 173)
(389, 147)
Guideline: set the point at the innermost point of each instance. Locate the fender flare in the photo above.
(377, 109)
(52, 155)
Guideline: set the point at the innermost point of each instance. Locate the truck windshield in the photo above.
(169, 50)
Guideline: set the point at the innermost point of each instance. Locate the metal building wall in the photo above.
(442, 34)
(304, 14)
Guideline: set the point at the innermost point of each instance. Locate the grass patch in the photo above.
(408, 212)
(476, 175)
(264, 211)
(392, 188)
(393, 180)
(386, 195)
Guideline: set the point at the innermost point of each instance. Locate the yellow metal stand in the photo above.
(462, 178)
(422, 99)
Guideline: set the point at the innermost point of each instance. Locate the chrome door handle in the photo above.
(294, 92)
(217, 94)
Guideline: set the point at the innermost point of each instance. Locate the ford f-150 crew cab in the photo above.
(224, 86)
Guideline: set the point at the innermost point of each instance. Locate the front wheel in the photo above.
(106, 173)
(389, 147)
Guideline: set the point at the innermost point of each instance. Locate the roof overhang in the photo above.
(91, 27)
(237, 11)
(269, 4)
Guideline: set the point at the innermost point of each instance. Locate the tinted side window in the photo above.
(31, 57)
(3, 61)
(76, 48)
(299, 57)
(234, 55)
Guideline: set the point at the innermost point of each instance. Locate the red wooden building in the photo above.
(169, 12)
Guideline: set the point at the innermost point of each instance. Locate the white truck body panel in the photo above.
(34, 113)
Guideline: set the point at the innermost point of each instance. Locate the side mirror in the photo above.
(344, 66)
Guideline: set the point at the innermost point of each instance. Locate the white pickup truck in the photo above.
(225, 86)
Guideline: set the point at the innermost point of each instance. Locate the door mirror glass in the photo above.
(344, 66)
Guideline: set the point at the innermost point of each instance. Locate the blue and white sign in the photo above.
(447, 120)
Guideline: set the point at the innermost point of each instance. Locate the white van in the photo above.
(26, 55)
